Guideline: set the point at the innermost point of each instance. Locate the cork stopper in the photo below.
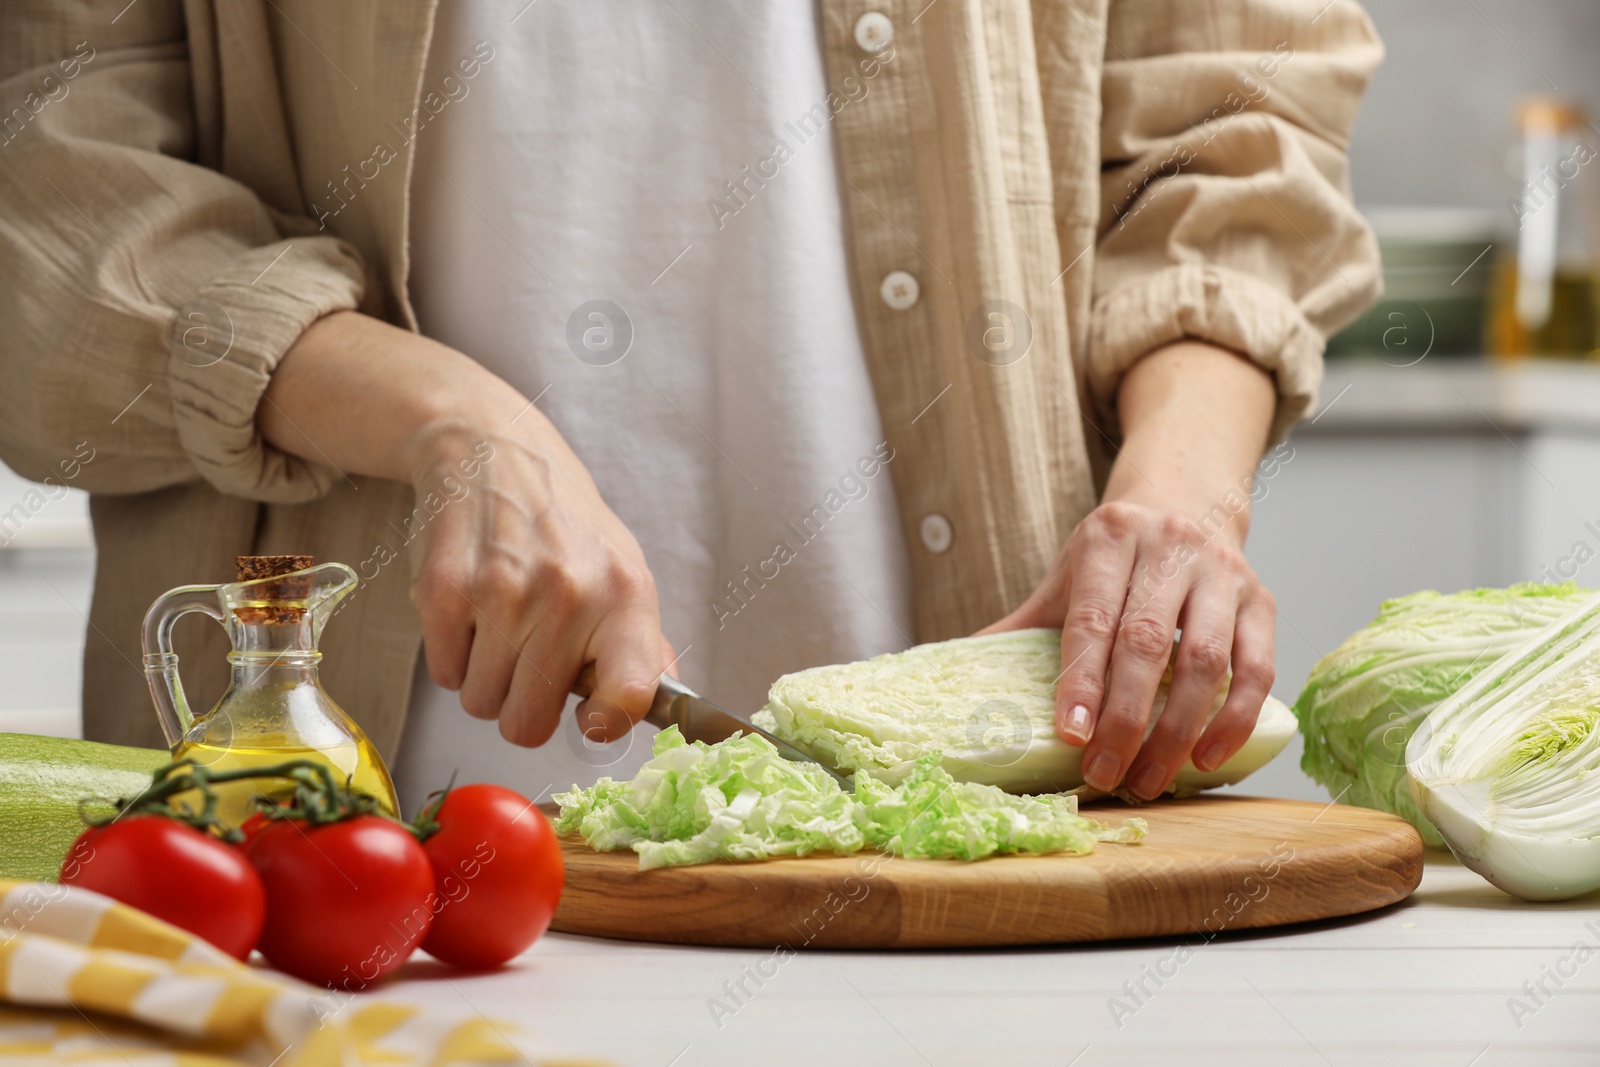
(252, 568)
(265, 607)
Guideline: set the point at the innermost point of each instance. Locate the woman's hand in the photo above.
(525, 574)
(1129, 576)
(1164, 552)
(527, 577)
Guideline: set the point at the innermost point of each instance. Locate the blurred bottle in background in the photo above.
(1543, 299)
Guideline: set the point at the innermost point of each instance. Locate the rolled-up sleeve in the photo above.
(146, 299)
(1225, 206)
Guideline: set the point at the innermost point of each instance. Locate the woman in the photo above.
(560, 321)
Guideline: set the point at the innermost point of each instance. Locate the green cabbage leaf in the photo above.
(1364, 700)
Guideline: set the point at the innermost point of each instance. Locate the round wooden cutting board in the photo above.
(1209, 865)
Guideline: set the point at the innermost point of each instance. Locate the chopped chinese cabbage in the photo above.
(693, 803)
(934, 816)
(739, 800)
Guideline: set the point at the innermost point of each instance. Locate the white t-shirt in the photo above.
(602, 215)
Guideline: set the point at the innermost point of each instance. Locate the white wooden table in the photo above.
(1429, 981)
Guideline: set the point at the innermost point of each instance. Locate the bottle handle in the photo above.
(161, 662)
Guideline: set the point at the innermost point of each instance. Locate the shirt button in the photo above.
(874, 32)
(936, 533)
(899, 290)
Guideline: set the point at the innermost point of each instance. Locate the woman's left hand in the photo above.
(1164, 552)
(1129, 576)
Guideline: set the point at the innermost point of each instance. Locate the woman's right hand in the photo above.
(525, 574)
(527, 577)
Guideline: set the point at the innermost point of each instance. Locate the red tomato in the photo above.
(497, 868)
(346, 902)
(174, 872)
(251, 827)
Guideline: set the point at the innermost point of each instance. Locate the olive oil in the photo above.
(1571, 330)
(274, 709)
(1544, 297)
(354, 762)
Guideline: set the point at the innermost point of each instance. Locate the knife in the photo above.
(698, 719)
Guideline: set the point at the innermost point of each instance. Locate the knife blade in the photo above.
(698, 719)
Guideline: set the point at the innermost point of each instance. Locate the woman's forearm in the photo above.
(1195, 419)
(364, 397)
(527, 575)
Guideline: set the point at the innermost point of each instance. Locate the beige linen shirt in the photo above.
(1071, 183)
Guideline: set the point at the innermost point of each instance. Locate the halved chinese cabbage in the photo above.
(986, 703)
(1366, 697)
(1508, 768)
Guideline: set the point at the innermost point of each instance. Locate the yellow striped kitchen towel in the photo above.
(85, 980)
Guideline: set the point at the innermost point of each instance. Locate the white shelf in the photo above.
(60, 722)
(61, 521)
(1455, 393)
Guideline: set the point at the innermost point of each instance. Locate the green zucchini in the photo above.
(41, 781)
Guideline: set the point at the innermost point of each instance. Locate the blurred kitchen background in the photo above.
(1431, 464)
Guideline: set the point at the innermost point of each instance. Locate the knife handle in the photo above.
(668, 689)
